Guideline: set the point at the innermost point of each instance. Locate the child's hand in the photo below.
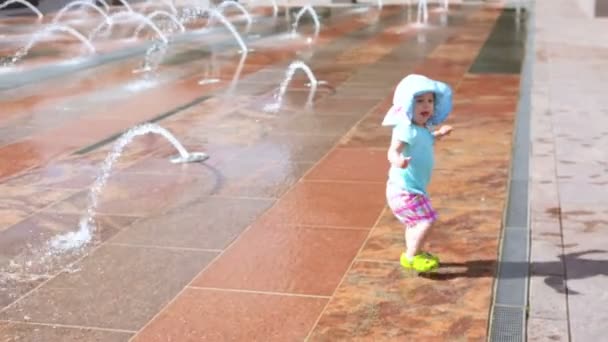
(443, 131)
(402, 162)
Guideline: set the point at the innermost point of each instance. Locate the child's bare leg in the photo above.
(414, 238)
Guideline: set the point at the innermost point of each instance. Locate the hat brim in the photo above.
(403, 102)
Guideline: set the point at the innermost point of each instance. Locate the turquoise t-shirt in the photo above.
(417, 175)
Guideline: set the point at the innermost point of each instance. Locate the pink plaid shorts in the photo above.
(409, 208)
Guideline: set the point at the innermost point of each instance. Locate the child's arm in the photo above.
(442, 131)
(395, 156)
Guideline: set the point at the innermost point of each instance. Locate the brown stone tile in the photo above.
(58, 174)
(386, 241)
(381, 301)
(280, 258)
(459, 158)
(198, 315)
(117, 287)
(289, 148)
(352, 164)
(470, 188)
(223, 220)
(335, 125)
(477, 109)
(490, 85)
(368, 133)
(139, 195)
(22, 155)
(10, 332)
(353, 205)
(37, 229)
(272, 181)
(18, 202)
(356, 107)
(90, 130)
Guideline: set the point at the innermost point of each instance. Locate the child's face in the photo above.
(424, 107)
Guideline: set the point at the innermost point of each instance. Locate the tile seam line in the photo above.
(171, 248)
(269, 293)
(70, 326)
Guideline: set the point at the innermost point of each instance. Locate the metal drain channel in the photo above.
(510, 302)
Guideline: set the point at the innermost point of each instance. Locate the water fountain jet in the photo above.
(291, 70)
(41, 34)
(154, 14)
(154, 55)
(313, 14)
(125, 16)
(81, 3)
(215, 13)
(84, 234)
(26, 4)
(422, 17)
(240, 7)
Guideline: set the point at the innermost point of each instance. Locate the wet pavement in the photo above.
(569, 266)
(283, 233)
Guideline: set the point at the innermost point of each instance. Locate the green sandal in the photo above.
(420, 263)
(430, 256)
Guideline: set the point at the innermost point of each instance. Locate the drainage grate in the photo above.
(507, 324)
(508, 320)
(513, 272)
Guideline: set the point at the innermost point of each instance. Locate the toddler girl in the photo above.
(418, 104)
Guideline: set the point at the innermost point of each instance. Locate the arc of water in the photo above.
(49, 29)
(125, 16)
(228, 3)
(156, 14)
(311, 95)
(215, 13)
(25, 3)
(291, 70)
(275, 8)
(153, 57)
(125, 3)
(171, 6)
(167, 3)
(423, 12)
(81, 3)
(313, 14)
(237, 74)
(86, 227)
(105, 5)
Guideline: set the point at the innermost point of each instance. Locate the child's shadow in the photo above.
(553, 271)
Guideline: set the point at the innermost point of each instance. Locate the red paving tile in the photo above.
(285, 259)
(355, 165)
(212, 315)
(329, 204)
